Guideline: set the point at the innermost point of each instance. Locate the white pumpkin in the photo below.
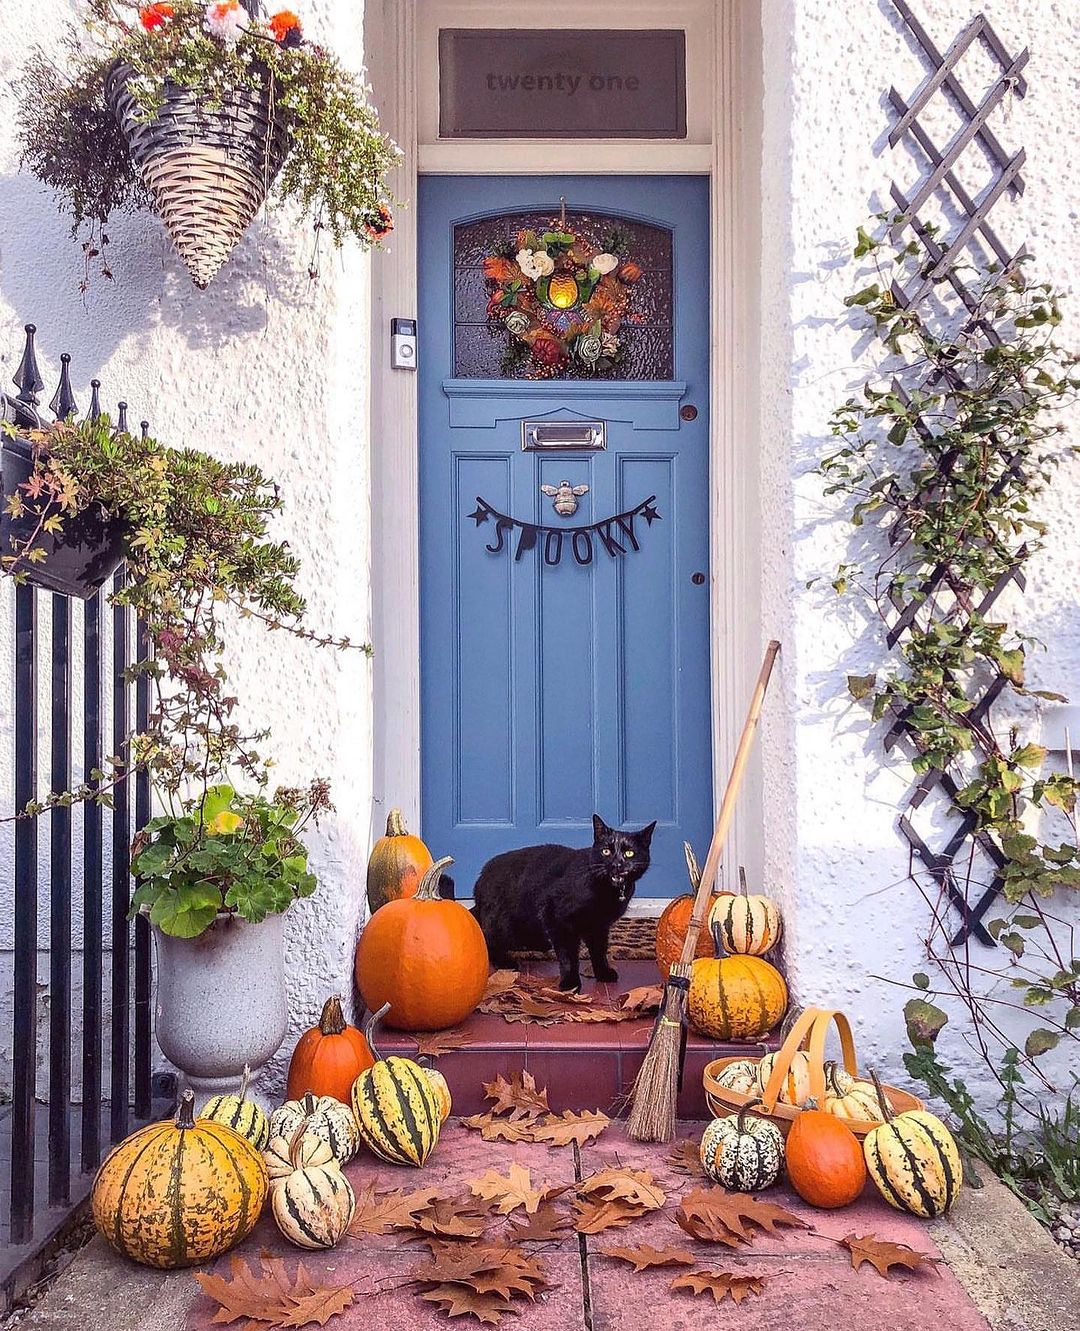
(741, 1076)
(742, 1152)
(322, 1115)
(306, 1147)
(795, 1088)
(313, 1204)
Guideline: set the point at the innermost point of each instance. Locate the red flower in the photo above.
(548, 350)
(283, 23)
(380, 223)
(155, 16)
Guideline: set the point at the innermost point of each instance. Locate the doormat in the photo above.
(631, 940)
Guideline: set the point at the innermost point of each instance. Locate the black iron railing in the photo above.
(70, 697)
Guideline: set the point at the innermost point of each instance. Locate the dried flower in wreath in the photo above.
(199, 111)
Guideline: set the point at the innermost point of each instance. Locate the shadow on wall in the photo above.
(42, 266)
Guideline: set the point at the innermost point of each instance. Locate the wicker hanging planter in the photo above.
(207, 170)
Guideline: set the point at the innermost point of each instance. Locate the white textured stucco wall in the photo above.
(830, 800)
(265, 366)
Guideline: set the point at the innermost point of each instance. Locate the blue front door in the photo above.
(564, 671)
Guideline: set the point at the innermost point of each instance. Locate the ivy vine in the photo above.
(943, 458)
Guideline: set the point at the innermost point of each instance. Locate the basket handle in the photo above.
(810, 1030)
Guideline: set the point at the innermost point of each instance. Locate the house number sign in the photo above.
(617, 535)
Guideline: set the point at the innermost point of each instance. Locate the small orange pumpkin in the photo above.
(424, 956)
(397, 862)
(675, 920)
(329, 1057)
(824, 1159)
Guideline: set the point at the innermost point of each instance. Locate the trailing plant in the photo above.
(225, 854)
(943, 457)
(337, 157)
(196, 542)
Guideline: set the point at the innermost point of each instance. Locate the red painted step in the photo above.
(583, 1065)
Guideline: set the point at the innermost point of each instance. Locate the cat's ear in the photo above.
(645, 835)
(600, 829)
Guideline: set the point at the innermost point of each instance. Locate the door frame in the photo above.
(724, 96)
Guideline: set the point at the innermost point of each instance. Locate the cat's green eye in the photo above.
(629, 854)
(606, 850)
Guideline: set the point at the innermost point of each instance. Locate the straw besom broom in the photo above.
(652, 1117)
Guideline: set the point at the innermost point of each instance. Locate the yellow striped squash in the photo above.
(180, 1192)
(745, 925)
(795, 1088)
(735, 998)
(325, 1116)
(442, 1092)
(913, 1161)
(241, 1114)
(314, 1203)
(397, 1108)
(848, 1097)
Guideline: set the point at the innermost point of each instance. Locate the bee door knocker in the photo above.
(564, 497)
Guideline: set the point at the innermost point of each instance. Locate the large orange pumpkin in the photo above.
(329, 1057)
(397, 862)
(735, 998)
(824, 1159)
(424, 956)
(675, 920)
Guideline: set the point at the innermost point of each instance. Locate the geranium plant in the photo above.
(196, 539)
(225, 854)
(91, 130)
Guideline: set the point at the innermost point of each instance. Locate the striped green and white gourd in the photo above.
(913, 1160)
(239, 1113)
(284, 1154)
(742, 1152)
(322, 1115)
(313, 1203)
(396, 1108)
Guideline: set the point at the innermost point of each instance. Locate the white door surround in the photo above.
(723, 140)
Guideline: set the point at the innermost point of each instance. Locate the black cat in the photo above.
(557, 897)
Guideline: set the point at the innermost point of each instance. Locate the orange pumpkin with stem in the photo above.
(397, 862)
(424, 956)
(675, 920)
(824, 1159)
(329, 1057)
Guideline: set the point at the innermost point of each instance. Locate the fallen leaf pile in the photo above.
(883, 1256)
(519, 997)
(270, 1298)
(480, 1280)
(613, 1197)
(520, 1113)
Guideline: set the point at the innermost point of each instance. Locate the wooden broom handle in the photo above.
(727, 806)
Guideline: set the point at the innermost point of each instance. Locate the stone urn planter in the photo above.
(221, 1003)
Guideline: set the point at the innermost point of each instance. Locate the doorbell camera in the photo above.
(403, 344)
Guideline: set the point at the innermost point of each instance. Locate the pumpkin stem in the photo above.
(245, 1077)
(332, 1021)
(742, 882)
(692, 869)
(185, 1113)
(883, 1100)
(718, 947)
(740, 1120)
(370, 1022)
(429, 884)
(811, 1103)
(309, 1103)
(395, 823)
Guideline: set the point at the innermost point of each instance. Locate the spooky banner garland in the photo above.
(616, 534)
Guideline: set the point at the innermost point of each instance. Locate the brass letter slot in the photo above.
(562, 434)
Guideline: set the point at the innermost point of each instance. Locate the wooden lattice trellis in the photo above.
(969, 230)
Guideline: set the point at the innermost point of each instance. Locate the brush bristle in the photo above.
(656, 1088)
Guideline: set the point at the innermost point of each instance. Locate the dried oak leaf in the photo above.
(483, 1268)
(520, 1097)
(545, 1224)
(570, 1126)
(460, 1301)
(435, 1043)
(452, 1218)
(499, 1129)
(685, 1157)
(380, 1212)
(508, 1191)
(641, 1001)
(644, 1256)
(883, 1256)
(637, 1187)
(499, 982)
(272, 1298)
(593, 1216)
(718, 1216)
(720, 1284)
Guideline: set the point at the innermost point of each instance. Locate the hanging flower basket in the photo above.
(208, 170)
(198, 111)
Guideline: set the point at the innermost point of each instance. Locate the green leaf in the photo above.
(155, 859)
(924, 1022)
(861, 686)
(921, 980)
(216, 800)
(186, 912)
(1031, 755)
(866, 296)
(255, 898)
(1041, 1041)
